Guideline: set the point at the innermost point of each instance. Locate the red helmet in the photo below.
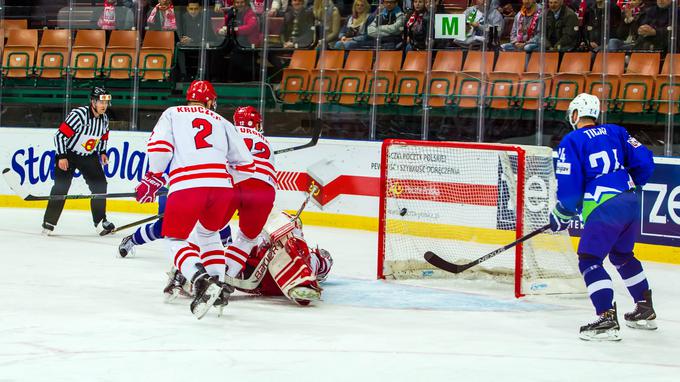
(248, 116)
(201, 91)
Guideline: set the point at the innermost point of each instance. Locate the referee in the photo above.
(81, 144)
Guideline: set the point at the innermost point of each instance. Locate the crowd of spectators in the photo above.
(236, 28)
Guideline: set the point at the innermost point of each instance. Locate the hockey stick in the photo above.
(12, 181)
(440, 263)
(261, 269)
(316, 133)
(133, 224)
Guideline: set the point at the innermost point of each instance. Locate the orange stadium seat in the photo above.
(667, 86)
(381, 85)
(637, 84)
(570, 79)
(531, 84)
(53, 54)
(18, 56)
(322, 79)
(14, 24)
(121, 56)
(352, 78)
(469, 81)
(410, 80)
(605, 83)
(443, 76)
(156, 55)
(296, 75)
(504, 80)
(87, 54)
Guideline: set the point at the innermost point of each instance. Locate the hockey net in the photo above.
(464, 200)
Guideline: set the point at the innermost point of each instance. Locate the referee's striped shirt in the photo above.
(82, 133)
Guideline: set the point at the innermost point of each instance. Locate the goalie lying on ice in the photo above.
(282, 264)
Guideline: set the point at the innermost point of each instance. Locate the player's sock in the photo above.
(598, 282)
(148, 233)
(632, 274)
(237, 253)
(185, 256)
(225, 236)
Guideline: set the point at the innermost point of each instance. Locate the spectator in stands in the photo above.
(278, 8)
(627, 30)
(356, 23)
(526, 29)
(245, 25)
(112, 15)
(417, 22)
(190, 31)
(594, 23)
(162, 17)
(561, 27)
(298, 26)
(388, 24)
(327, 16)
(653, 33)
(477, 22)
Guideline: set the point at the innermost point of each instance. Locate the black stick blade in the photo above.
(440, 263)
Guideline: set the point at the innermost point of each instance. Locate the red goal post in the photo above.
(465, 200)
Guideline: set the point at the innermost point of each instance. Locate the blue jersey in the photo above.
(596, 163)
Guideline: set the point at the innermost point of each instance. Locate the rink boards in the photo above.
(347, 174)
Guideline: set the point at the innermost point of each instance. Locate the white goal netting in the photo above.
(464, 200)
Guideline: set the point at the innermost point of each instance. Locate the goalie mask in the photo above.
(248, 116)
(585, 105)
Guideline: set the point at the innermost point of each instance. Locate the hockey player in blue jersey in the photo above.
(598, 170)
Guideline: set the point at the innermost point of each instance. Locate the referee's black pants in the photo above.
(93, 173)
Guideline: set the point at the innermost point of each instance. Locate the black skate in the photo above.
(175, 286)
(605, 328)
(207, 290)
(104, 227)
(223, 300)
(643, 317)
(126, 247)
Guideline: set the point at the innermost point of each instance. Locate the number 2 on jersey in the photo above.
(204, 130)
(260, 149)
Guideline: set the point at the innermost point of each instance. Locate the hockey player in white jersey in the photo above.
(198, 145)
(254, 194)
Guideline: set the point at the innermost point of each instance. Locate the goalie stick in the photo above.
(261, 269)
(440, 263)
(133, 224)
(316, 133)
(11, 178)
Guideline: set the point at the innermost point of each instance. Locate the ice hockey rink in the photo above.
(71, 310)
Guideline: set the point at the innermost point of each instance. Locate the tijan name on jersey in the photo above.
(592, 133)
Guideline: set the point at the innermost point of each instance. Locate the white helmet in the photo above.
(586, 104)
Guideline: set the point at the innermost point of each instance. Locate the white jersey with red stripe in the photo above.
(199, 146)
(263, 157)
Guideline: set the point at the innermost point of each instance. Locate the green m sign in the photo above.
(449, 26)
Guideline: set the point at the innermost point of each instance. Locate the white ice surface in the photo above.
(70, 310)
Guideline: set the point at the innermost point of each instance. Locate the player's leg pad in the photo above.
(302, 293)
(605, 328)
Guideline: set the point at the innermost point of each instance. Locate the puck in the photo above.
(402, 212)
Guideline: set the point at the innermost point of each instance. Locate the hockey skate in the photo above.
(643, 317)
(175, 285)
(126, 247)
(223, 299)
(207, 289)
(605, 328)
(104, 227)
(47, 229)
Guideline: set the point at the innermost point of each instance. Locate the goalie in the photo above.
(282, 264)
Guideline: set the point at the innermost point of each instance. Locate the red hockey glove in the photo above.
(146, 189)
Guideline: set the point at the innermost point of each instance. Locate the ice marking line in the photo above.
(467, 354)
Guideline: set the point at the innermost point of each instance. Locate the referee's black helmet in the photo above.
(99, 93)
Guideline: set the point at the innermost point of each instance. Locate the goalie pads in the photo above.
(290, 268)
